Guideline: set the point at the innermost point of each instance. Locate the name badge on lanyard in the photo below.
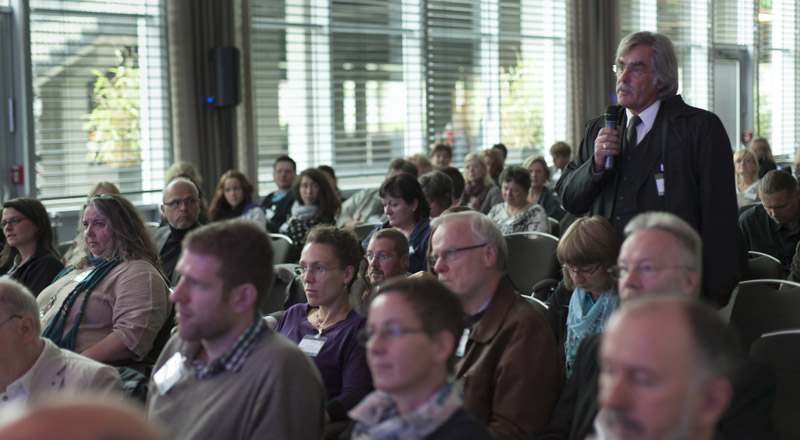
(660, 181)
(311, 345)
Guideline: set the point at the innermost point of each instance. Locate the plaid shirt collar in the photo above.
(234, 358)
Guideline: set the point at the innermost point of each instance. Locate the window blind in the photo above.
(100, 91)
(355, 84)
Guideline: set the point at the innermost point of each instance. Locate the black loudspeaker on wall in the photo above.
(225, 90)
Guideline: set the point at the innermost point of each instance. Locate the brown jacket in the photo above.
(510, 370)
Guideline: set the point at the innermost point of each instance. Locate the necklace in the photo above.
(47, 306)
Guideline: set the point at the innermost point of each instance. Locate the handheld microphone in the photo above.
(611, 117)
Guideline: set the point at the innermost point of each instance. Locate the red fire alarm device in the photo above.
(17, 174)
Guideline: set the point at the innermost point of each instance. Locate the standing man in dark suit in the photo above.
(181, 208)
(666, 156)
(278, 204)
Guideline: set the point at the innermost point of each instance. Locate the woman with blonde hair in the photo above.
(766, 162)
(111, 303)
(539, 192)
(584, 300)
(746, 166)
(480, 192)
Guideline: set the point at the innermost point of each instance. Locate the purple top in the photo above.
(342, 362)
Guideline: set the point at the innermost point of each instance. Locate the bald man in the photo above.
(181, 208)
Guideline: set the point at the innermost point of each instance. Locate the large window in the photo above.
(100, 96)
(707, 35)
(355, 84)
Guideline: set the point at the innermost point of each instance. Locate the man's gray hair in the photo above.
(176, 181)
(689, 241)
(717, 350)
(484, 228)
(777, 180)
(664, 62)
(16, 299)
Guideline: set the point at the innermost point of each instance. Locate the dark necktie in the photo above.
(631, 138)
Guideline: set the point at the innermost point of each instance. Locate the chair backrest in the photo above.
(762, 307)
(761, 266)
(537, 304)
(531, 258)
(781, 351)
(281, 246)
(555, 226)
(364, 229)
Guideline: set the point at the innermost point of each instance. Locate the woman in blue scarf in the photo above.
(111, 300)
(584, 301)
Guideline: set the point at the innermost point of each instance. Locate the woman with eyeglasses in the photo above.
(234, 198)
(110, 304)
(583, 302)
(316, 202)
(517, 213)
(326, 328)
(408, 211)
(28, 256)
(412, 334)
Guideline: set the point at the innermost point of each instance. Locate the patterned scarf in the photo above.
(55, 329)
(582, 323)
(376, 416)
(475, 193)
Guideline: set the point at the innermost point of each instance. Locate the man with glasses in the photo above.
(31, 366)
(660, 155)
(387, 255)
(181, 208)
(508, 360)
(661, 256)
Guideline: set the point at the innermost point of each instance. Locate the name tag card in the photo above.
(169, 374)
(311, 345)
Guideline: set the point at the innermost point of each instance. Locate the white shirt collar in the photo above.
(648, 117)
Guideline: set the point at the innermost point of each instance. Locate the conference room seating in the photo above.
(531, 259)
(762, 307)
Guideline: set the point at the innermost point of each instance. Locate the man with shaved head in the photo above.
(181, 208)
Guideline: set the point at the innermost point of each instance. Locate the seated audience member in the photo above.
(31, 366)
(224, 373)
(387, 255)
(583, 302)
(539, 192)
(97, 189)
(408, 211)
(234, 198)
(561, 153)
(28, 255)
(516, 213)
(365, 206)
(326, 327)
(187, 170)
(181, 208)
(424, 166)
(441, 155)
(315, 203)
(480, 192)
(278, 204)
(79, 419)
(766, 162)
(500, 148)
(746, 178)
(413, 331)
(330, 174)
(111, 303)
(458, 183)
(695, 364)
(774, 226)
(509, 367)
(438, 189)
(494, 163)
(660, 256)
